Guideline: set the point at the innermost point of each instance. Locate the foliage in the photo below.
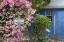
(39, 4)
(10, 9)
(40, 39)
(40, 22)
(55, 38)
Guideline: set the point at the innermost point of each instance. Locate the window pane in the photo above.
(49, 14)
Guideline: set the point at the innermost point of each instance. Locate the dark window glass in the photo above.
(49, 14)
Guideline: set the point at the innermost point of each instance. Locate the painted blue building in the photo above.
(55, 11)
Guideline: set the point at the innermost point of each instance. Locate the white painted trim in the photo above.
(45, 12)
(54, 25)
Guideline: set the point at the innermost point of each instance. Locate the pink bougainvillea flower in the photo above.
(3, 13)
(4, 2)
(17, 3)
(29, 17)
(15, 39)
(2, 28)
(11, 3)
(19, 13)
(24, 1)
(14, 32)
(20, 33)
(10, 22)
(1, 7)
(33, 11)
(11, 8)
(12, 26)
(3, 10)
(11, 39)
(10, 16)
(22, 28)
(6, 27)
(29, 10)
(28, 4)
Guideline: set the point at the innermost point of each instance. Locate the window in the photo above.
(49, 14)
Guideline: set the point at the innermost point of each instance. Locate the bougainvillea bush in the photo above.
(10, 9)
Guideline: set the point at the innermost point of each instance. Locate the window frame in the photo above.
(50, 15)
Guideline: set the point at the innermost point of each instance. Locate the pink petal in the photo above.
(14, 32)
(4, 2)
(33, 11)
(1, 7)
(12, 26)
(24, 1)
(28, 4)
(3, 10)
(29, 18)
(15, 39)
(9, 22)
(11, 1)
(17, 3)
(6, 27)
(10, 16)
(11, 8)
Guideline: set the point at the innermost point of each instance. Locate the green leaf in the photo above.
(40, 22)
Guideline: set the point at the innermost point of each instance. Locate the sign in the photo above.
(19, 20)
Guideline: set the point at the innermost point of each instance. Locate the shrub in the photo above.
(40, 23)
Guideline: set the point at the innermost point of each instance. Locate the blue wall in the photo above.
(59, 22)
